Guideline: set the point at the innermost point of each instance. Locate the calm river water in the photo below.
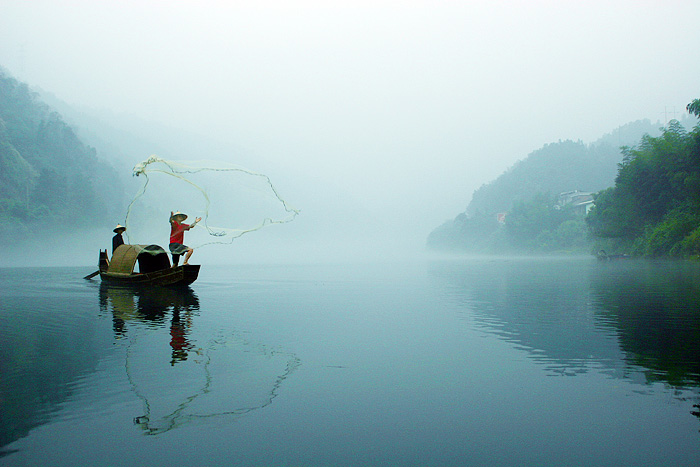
(437, 363)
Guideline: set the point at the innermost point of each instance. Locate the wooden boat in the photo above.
(153, 267)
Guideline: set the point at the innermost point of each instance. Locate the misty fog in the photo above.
(377, 120)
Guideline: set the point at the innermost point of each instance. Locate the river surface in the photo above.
(465, 362)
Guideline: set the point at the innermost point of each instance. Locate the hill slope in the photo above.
(533, 183)
(47, 174)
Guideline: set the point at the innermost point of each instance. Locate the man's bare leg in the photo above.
(187, 256)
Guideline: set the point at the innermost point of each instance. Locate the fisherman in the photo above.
(177, 237)
(117, 239)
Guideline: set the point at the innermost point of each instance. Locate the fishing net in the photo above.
(231, 201)
(225, 378)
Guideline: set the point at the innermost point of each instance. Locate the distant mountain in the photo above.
(48, 176)
(555, 168)
(558, 167)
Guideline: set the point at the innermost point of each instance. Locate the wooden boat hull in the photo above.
(176, 276)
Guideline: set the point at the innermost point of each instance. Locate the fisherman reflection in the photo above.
(178, 337)
(151, 306)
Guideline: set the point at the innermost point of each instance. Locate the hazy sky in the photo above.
(408, 105)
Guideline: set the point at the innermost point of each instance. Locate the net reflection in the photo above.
(184, 371)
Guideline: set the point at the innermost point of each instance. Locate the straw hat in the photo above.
(119, 228)
(184, 216)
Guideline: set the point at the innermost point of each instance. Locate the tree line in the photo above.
(646, 195)
(654, 207)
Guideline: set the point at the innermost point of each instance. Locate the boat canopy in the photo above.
(150, 258)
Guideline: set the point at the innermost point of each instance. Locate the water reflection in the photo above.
(632, 320)
(184, 375)
(542, 306)
(152, 305)
(79, 349)
(653, 307)
(50, 340)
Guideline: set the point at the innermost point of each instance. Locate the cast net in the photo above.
(230, 200)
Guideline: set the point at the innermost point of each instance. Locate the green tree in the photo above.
(534, 225)
(45, 169)
(655, 203)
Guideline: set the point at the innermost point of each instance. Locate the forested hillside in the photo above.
(533, 217)
(654, 207)
(48, 177)
(558, 167)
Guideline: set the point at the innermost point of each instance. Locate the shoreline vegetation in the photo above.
(650, 208)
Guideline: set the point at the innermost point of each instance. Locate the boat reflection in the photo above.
(152, 305)
(184, 370)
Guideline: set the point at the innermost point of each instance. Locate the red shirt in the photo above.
(177, 232)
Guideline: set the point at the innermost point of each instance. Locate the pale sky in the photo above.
(408, 105)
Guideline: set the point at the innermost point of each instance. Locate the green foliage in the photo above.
(46, 173)
(611, 217)
(533, 224)
(572, 234)
(689, 247)
(530, 222)
(540, 225)
(655, 203)
(667, 238)
(694, 108)
(559, 167)
(537, 225)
